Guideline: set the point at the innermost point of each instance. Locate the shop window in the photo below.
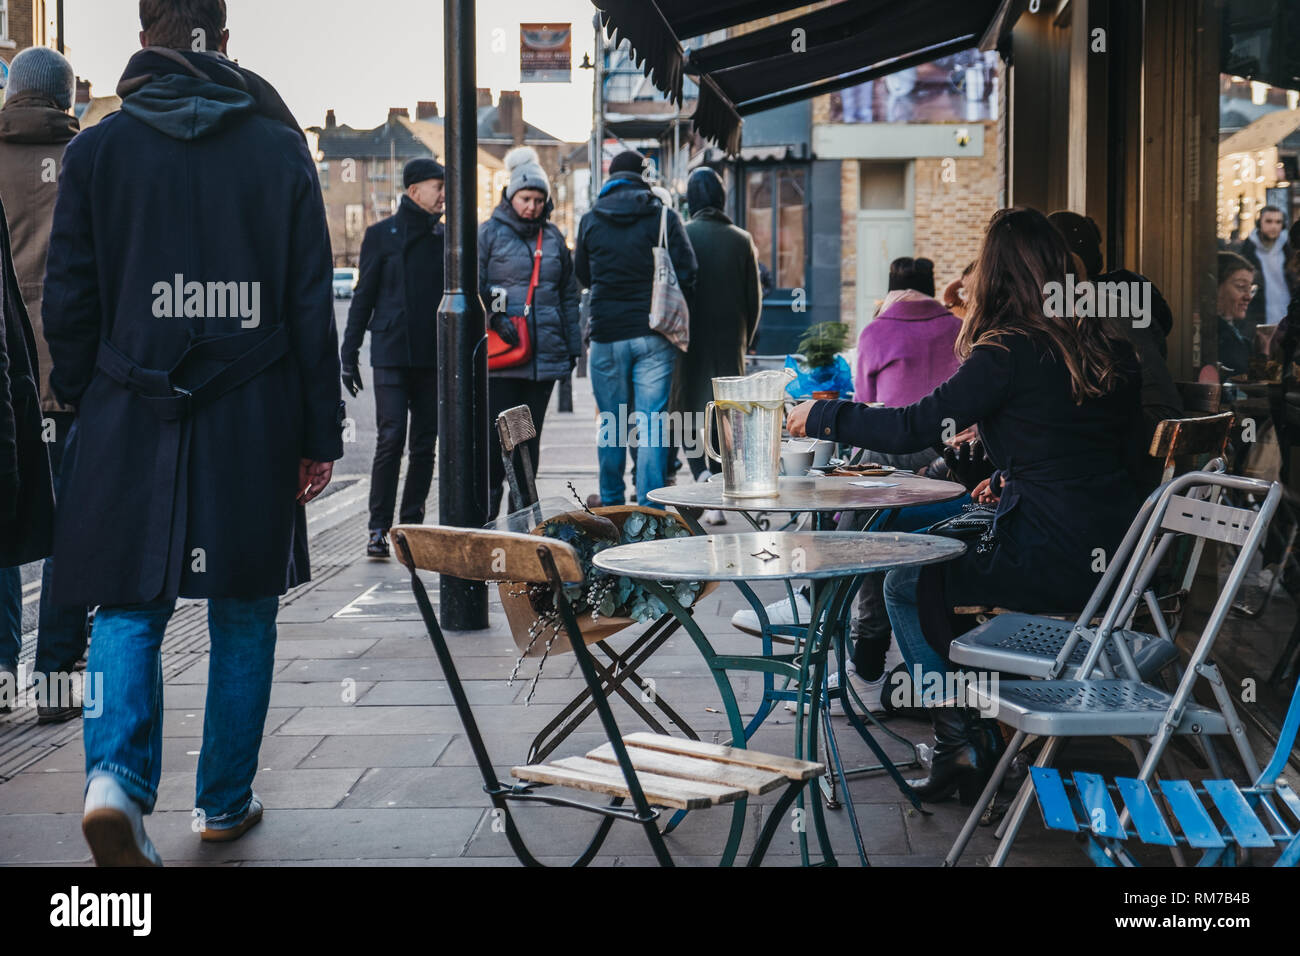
(776, 215)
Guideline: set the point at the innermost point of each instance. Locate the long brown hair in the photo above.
(1022, 252)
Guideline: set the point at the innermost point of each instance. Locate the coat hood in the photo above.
(625, 200)
(908, 305)
(188, 95)
(35, 119)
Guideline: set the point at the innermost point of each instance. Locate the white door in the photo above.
(882, 237)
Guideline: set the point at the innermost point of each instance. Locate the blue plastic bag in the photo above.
(828, 378)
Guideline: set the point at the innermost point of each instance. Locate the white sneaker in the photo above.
(113, 824)
(868, 691)
(715, 517)
(778, 612)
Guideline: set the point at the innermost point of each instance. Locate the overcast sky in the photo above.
(358, 57)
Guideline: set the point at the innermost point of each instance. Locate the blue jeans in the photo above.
(631, 379)
(904, 614)
(11, 617)
(125, 740)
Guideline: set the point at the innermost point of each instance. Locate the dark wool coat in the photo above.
(26, 495)
(614, 257)
(195, 405)
(1068, 470)
(724, 309)
(505, 259)
(398, 291)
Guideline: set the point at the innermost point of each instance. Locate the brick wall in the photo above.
(22, 28)
(948, 217)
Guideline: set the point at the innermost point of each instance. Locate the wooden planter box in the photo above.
(520, 613)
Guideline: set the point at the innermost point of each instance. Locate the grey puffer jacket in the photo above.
(505, 260)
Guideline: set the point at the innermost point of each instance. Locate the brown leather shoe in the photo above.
(224, 835)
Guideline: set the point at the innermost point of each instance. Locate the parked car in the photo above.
(345, 283)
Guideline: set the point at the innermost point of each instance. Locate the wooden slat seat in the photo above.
(674, 772)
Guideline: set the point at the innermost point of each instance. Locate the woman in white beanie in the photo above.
(508, 243)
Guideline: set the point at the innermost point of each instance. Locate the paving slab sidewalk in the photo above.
(365, 762)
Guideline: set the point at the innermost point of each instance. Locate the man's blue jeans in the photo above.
(11, 617)
(125, 740)
(631, 379)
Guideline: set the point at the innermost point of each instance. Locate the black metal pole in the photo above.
(462, 335)
(59, 22)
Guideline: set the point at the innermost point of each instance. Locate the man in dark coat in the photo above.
(631, 365)
(397, 298)
(36, 126)
(189, 313)
(724, 311)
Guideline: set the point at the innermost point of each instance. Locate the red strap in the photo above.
(537, 268)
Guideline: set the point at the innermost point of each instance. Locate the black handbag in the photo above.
(974, 522)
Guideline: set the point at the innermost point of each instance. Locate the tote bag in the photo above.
(668, 313)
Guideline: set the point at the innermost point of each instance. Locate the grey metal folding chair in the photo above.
(1251, 816)
(1126, 706)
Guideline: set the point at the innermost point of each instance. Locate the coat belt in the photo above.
(245, 355)
(171, 401)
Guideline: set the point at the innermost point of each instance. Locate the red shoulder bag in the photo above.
(500, 353)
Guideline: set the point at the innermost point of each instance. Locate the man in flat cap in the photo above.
(397, 298)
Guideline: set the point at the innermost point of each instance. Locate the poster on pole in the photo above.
(545, 52)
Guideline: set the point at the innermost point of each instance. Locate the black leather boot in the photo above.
(960, 761)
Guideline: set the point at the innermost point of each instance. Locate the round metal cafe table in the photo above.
(823, 497)
(835, 559)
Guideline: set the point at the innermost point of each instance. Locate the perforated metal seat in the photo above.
(1088, 708)
(1028, 645)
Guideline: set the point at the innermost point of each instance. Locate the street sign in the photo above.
(545, 52)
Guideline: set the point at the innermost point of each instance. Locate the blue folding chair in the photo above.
(1083, 804)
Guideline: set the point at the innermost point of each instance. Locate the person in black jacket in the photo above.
(507, 247)
(631, 366)
(397, 298)
(1058, 405)
(189, 313)
(26, 494)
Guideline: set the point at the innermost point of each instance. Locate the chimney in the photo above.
(484, 96)
(426, 110)
(395, 111)
(330, 120)
(510, 116)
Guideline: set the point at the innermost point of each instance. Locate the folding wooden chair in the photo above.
(1251, 818)
(650, 770)
(514, 428)
(1126, 706)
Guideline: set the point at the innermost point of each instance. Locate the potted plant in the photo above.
(820, 371)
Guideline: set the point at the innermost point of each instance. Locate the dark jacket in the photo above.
(1068, 470)
(176, 481)
(724, 310)
(33, 135)
(506, 244)
(398, 291)
(26, 496)
(614, 257)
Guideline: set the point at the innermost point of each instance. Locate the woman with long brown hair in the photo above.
(1057, 401)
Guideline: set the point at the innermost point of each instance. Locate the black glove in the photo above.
(503, 327)
(968, 463)
(352, 378)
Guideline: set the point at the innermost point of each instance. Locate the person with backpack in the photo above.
(631, 365)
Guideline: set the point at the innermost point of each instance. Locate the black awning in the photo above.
(842, 44)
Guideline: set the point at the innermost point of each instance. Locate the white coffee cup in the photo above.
(822, 451)
(796, 459)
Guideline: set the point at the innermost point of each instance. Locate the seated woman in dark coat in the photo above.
(1057, 401)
